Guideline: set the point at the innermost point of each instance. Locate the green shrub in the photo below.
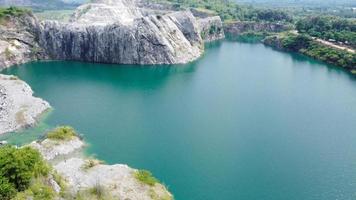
(7, 190)
(13, 11)
(306, 45)
(62, 133)
(98, 190)
(41, 191)
(146, 177)
(18, 167)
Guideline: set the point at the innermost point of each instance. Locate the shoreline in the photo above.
(19, 108)
(81, 171)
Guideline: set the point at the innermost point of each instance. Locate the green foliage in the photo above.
(59, 15)
(306, 45)
(7, 190)
(229, 10)
(295, 43)
(329, 28)
(38, 190)
(18, 167)
(13, 11)
(42, 192)
(62, 133)
(146, 177)
(97, 192)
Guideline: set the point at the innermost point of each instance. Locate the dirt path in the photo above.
(334, 45)
(330, 44)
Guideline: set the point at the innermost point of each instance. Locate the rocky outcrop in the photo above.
(239, 27)
(117, 32)
(18, 108)
(211, 28)
(18, 40)
(274, 41)
(81, 173)
(50, 149)
(111, 31)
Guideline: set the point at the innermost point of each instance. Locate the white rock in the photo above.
(18, 108)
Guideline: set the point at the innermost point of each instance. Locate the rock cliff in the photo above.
(240, 27)
(111, 31)
(18, 40)
(211, 28)
(18, 108)
(118, 32)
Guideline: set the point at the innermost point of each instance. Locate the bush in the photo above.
(306, 45)
(62, 133)
(7, 190)
(146, 177)
(13, 11)
(41, 191)
(18, 167)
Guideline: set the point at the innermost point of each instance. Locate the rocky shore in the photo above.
(18, 108)
(81, 173)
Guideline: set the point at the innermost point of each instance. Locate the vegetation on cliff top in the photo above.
(329, 28)
(304, 44)
(145, 177)
(62, 133)
(229, 10)
(13, 11)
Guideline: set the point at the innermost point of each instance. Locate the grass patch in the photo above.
(91, 163)
(97, 192)
(62, 133)
(20, 117)
(8, 53)
(59, 15)
(145, 177)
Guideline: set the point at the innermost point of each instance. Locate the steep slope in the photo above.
(117, 32)
(18, 40)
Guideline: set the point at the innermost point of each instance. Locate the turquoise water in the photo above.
(244, 122)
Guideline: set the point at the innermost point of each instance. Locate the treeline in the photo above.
(306, 45)
(229, 10)
(329, 28)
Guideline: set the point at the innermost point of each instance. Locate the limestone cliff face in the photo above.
(211, 28)
(110, 31)
(18, 40)
(117, 32)
(237, 28)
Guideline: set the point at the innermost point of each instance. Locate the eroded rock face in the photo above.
(18, 41)
(211, 28)
(18, 108)
(117, 32)
(119, 180)
(239, 27)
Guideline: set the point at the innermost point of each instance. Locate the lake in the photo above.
(243, 122)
